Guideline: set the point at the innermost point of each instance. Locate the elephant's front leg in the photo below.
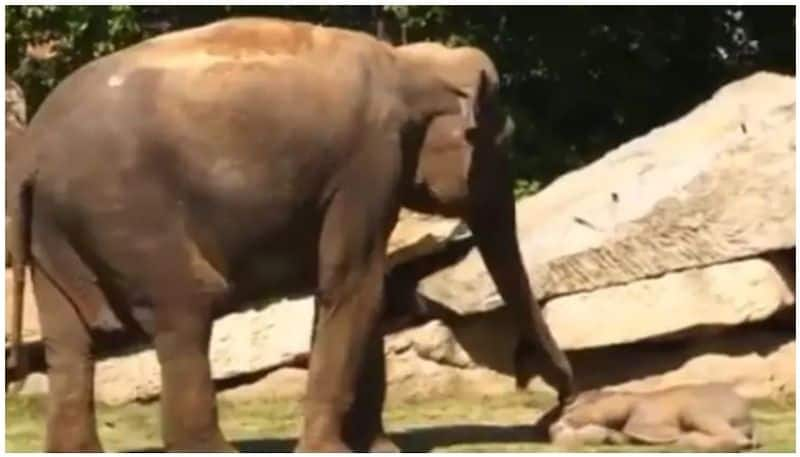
(349, 303)
(363, 427)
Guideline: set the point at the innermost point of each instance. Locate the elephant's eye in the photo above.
(472, 135)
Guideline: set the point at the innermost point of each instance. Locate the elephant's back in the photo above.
(219, 109)
(223, 52)
(721, 399)
(460, 65)
(249, 39)
(229, 80)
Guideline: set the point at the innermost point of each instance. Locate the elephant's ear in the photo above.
(473, 105)
(479, 101)
(488, 113)
(465, 106)
(432, 96)
(427, 92)
(468, 112)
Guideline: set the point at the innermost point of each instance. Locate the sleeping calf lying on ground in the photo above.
(707, 417)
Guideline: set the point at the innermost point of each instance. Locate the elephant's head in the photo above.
(453, 142)
(462, 171)
(427, 95)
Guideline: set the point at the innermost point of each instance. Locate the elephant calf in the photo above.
(706, 417)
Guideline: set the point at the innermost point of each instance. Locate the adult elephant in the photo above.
(462, 171)
(195, 171)
(206, 167)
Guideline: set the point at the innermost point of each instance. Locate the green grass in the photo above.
(499, 423)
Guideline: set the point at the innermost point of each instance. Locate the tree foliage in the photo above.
(76, 34)
(579, 80)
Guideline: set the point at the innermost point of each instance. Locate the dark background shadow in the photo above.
(423, 439)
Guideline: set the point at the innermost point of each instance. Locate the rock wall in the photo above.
(684, 236)
(714, 186)
(253, 341)
(670, 260)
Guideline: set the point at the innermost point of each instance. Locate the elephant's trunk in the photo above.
(492, 219)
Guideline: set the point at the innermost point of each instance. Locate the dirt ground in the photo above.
(496, 423)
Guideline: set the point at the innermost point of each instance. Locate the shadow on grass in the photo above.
(426, 439)
(422, 439)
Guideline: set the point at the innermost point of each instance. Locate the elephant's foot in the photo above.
(216, 443)
(71, 434)
(383, 443)
(226, 447)
(321, 430)
(69, 444)
(320, 445)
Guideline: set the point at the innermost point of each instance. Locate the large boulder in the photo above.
(715, 186)
(415, 228)
(724, 294)
(250, 342)
(253, 341)
(30, 321)
(758, 362)
(686, 232)
(246, 342)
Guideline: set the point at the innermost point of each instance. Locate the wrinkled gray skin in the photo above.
(183, 176)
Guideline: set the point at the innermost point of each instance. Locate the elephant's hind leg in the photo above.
(703, 442)
(713, 433)
(183, 315)
(71, 425)
(188, 403)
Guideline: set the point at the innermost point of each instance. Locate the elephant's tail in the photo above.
(18, 231)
